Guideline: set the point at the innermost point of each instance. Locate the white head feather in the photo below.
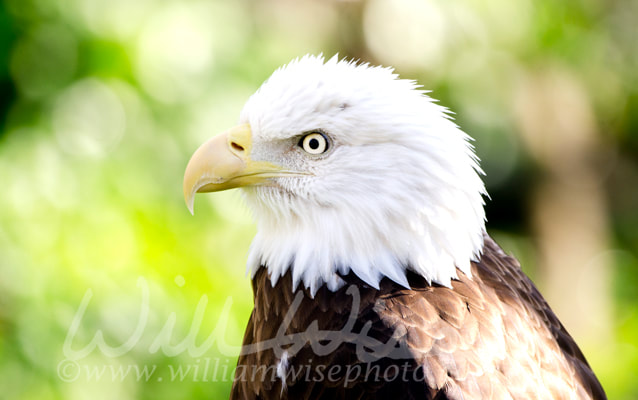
(399, 188)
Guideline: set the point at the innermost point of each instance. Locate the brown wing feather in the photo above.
(491, 336)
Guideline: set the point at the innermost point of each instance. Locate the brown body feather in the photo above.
(491, 336)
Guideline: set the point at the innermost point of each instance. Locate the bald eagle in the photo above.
(372, 273)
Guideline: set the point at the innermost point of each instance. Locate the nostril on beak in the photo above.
(237, 147)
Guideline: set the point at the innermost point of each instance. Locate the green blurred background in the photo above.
(103, 102)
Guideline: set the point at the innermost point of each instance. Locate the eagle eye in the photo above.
(314, 143)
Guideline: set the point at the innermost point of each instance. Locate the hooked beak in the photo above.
(224, 162)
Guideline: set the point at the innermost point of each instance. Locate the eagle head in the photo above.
(348, 168)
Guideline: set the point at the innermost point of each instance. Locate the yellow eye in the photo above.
(314, 143)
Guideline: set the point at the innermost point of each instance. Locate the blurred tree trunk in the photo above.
(568, 208)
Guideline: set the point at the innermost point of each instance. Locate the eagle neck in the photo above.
(370, 241)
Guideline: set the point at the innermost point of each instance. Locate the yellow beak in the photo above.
(223, 162)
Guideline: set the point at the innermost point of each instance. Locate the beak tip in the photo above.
(190, 204)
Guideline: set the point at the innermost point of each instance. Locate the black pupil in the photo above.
(314, 144)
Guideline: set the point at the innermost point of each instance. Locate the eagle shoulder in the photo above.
(491, 336)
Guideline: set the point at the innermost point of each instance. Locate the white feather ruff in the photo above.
(398, 189)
